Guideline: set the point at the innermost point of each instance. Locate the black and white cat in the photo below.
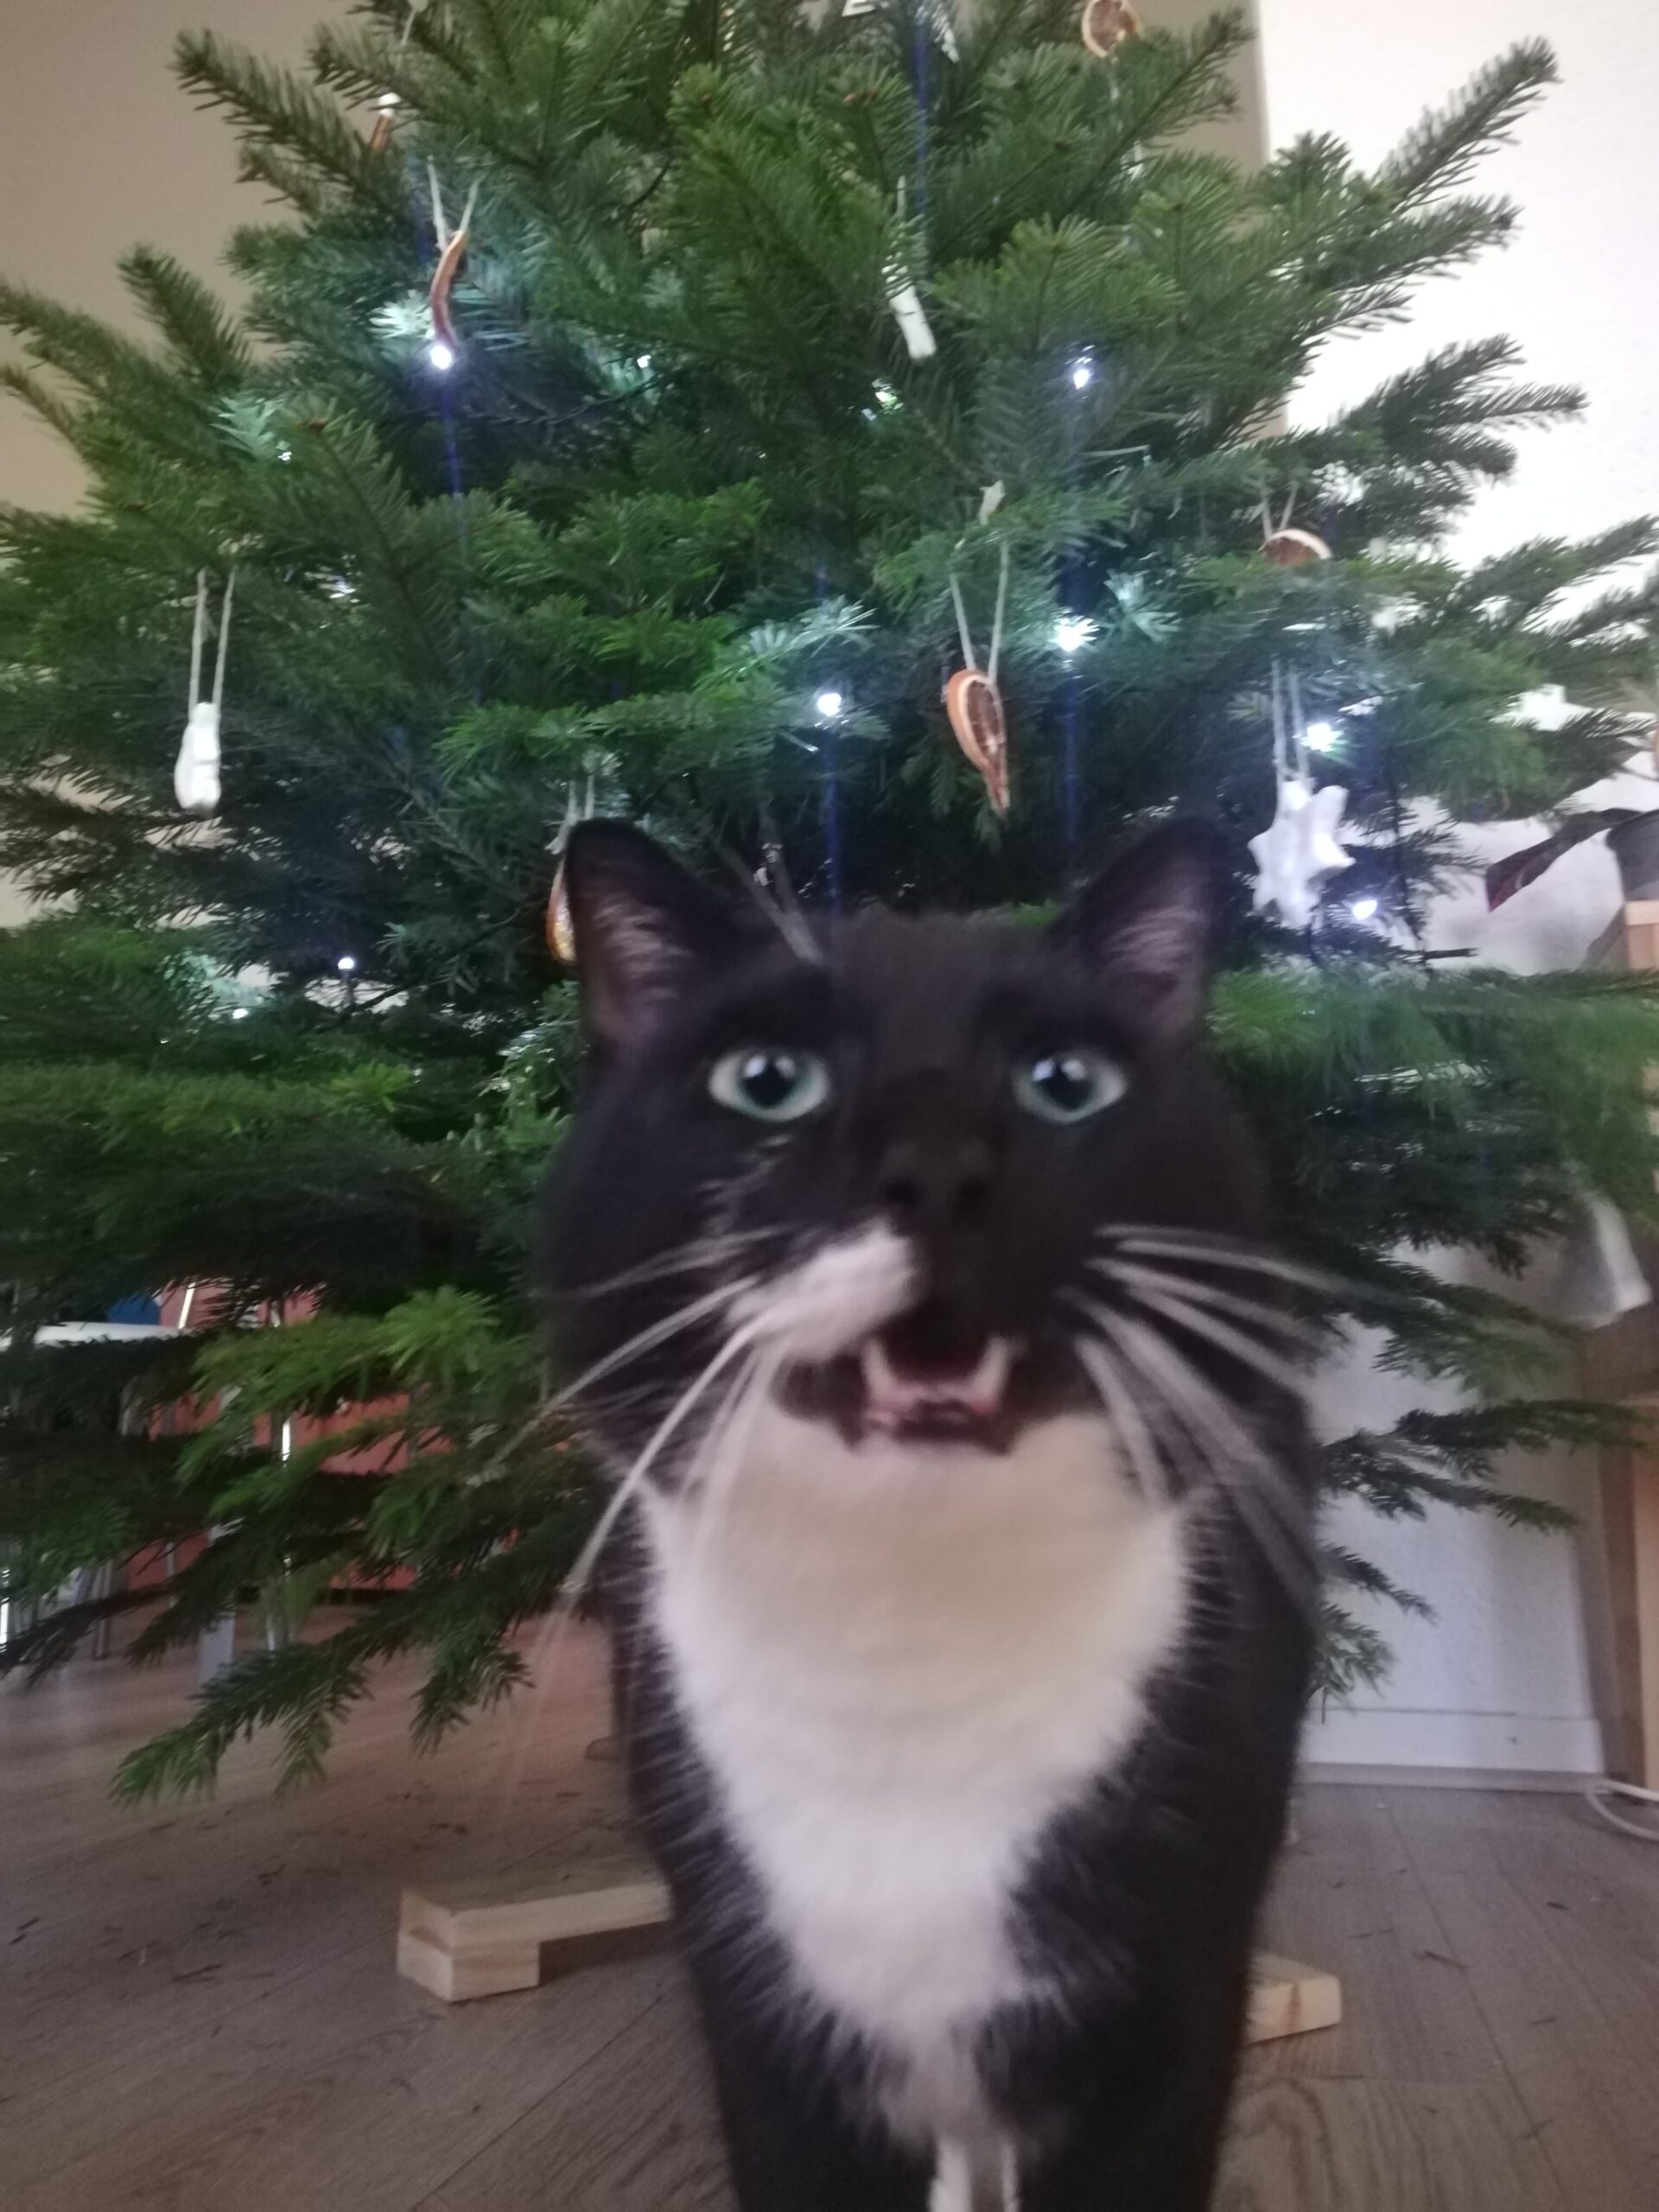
(915, 1266)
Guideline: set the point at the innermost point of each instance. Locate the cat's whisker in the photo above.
(1186, 1315)
(648, 1339)
(739, 1340)
(635, 1347)
(1269, 1317)
(1191, 1392)
(1224, 1443)
(712, 1442)
(729, 1456)
(710, 1448)
(624, 1395)
(1195, 1250)
(1267, 1521)
(702, 1252)
(1177, 1232)
(1123, 1412)
(719, 1446)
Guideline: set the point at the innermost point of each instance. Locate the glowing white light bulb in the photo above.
(239, 1012)
(1322, 737)
(642, 360)
(440, 356)
(1072, 631)
(1083, 373)
(347, 964)
(387, 101)
(828, 704)
(1363, 909)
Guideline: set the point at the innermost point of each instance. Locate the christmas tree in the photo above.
(610, 428)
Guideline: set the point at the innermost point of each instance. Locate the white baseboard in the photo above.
(1474, 1743)
(1493, 1780)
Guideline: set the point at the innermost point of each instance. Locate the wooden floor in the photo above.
(198, 2013)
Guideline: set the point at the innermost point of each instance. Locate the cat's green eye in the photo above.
(1068, 1086)
(770, 1082)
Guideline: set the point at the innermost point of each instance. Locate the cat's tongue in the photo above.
(908, 1392)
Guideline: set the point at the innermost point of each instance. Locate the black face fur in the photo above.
(923, 1028)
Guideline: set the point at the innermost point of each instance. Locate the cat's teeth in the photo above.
(984, 1387)
(890, 1398)
(884, 1394)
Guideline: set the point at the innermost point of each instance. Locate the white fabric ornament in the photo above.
(1300, 846)
(195, 772)
(1294, 856)
(906, 302)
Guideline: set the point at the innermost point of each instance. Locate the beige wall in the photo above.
(1243, 134)
(100, 149)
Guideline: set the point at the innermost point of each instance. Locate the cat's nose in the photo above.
(931, 1189)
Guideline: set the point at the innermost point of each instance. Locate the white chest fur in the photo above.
(899, 1665)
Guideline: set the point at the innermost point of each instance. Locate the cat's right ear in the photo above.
(1147, 925)
(644, 929)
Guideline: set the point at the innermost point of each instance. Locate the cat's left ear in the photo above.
(646, 929)
(1147, 925)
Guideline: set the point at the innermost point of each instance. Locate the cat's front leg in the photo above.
(1168, 2176)
(795, 2137)
(1145, 2154)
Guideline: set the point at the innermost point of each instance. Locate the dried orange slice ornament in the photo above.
(972, 701)
(974, 707)
(1108, 24)
(1295, 549)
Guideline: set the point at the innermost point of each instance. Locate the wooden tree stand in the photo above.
(484, 1938)
(481, 1939)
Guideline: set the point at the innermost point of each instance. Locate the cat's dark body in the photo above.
(1084, 2062)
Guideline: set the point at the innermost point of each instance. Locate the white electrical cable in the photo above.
(1596, 1794)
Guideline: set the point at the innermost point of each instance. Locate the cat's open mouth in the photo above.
(900, 1383)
